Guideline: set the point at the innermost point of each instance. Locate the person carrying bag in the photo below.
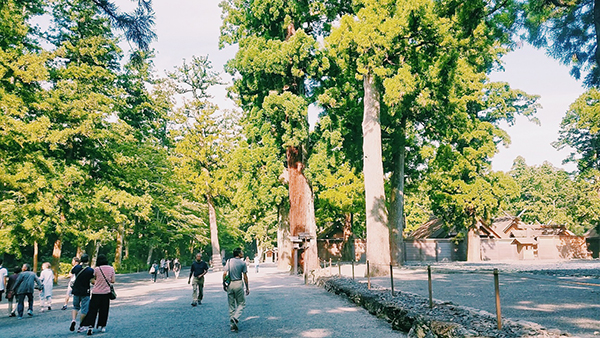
(102, 293)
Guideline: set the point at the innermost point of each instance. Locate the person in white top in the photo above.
(3, 278)
(47, 279)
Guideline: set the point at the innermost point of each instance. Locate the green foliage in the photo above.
(568, 30)
(553, 196)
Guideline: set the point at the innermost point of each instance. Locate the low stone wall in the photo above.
(411, 313)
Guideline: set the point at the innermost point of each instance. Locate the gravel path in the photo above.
(556, 295)
(278, 306)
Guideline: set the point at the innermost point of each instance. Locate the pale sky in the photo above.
(191, 27)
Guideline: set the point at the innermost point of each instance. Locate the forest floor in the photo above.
(279, 305)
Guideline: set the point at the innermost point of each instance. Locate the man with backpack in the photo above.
(81, 291)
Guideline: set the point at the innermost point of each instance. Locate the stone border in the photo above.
(411, 313)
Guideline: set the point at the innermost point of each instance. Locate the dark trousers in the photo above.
(99, 305)
(21, 303)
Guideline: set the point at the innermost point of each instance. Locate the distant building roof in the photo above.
(434, 228)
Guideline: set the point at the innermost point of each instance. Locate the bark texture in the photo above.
(397, 220)
(56, 252)
(216, 261)
(473, 246)
(302, 211)
(284, 245)
(378, 234)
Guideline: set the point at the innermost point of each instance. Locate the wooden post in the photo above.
(330, 273)
(430, 288)
(339, 268)
(352, 269)
(295, 261)
(368, 276)
(392, 278)
(498, 309)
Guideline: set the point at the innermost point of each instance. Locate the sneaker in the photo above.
(102, 328)
(19, 317)
(12, 315)
(234, 326)
(49, 308)
(30, 313)
(82, 329)
(64, 307)
(194, 303)
(72, 328)
(199, 302)
(90, 331)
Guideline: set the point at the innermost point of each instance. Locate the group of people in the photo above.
(91, 290)
(164, 267)
(89, 287)
(21, 284)
(235, 273)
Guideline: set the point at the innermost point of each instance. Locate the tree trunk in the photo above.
(79, 251)
(216, 260)
(56, 252)
(95, 255)
(284, 245)
(378, 233)
(149, 259)
(119, 247)
(126, 250)
(301, 215)
(397, 220)
(473, 246)
(35, 256)
(348, 239)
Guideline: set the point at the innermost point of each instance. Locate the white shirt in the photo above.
(3, 275)
(47, 278)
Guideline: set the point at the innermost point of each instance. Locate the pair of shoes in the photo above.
(72, 327)
(90, 331)
(194, 303)
(12, 315)
(64, 307)
(82, 329)
(102, 328)
(30, 313)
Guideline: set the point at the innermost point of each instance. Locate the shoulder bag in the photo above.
(227, 278)
(72, 281)
(112, 295)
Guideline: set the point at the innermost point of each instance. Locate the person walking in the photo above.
(256, 263)
(74, 262)
(81, 291)
(176, 267)
(167, 267)
(238, 273)
(10, 292)
(24, 286)
(47, 279)
(198, 270)
(154, 271)
(104, 277)
(162, 267)
(3, 279)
